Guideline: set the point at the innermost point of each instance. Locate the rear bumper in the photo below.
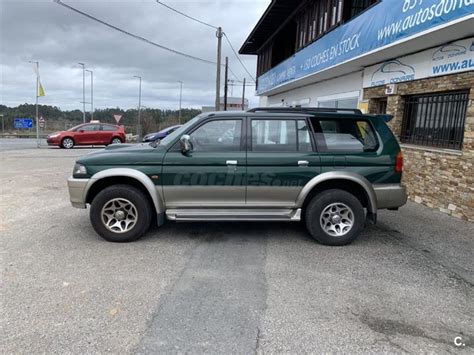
(77, 189)
(390, 195)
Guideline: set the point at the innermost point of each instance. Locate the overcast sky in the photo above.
(59, 38)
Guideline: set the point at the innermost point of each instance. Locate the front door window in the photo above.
(218, 136)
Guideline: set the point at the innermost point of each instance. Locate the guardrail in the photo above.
(11, 135)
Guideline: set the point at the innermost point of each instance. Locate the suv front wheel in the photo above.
(334, 217)
(121, 213)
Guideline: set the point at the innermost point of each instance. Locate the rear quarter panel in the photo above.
(378, 167)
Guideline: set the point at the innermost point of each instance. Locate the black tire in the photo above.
(65, 143)
(116, 140)
(131, 194)
(318, 205)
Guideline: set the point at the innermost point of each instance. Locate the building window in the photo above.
(435, 120)
(355, 7)
(350, 102)
(316, 18)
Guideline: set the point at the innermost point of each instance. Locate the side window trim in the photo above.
(312, 137)
(307, 121)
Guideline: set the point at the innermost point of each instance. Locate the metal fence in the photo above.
(435, 120)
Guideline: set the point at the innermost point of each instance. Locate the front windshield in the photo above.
(179, 132)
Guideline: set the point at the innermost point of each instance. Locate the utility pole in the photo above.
(243, 96)
(218, 73)
(180, 99)
(92, 93)
(37, 95)
(83, 93)
(139, 127)
(226, 84)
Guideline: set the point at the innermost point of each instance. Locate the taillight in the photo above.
(399, 163)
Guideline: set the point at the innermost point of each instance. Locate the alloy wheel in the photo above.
(119, 215)
(68, 143)
(337, 219)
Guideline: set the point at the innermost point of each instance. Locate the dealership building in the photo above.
(413, 59)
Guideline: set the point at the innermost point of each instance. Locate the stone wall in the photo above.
(438, 178)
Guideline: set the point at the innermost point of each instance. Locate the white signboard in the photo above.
(454, 57)
(117, 118)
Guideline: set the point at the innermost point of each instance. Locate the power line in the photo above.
(185, 15)
(238, 58)
(235, 76)
(211, 26)
(189, 56)
(240, 84)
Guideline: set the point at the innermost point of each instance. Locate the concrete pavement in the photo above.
(405, 286)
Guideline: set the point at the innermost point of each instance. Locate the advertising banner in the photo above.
(385, 23)
(454, 57)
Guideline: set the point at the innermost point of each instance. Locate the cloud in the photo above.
(59, 38)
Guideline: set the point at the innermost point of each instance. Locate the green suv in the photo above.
(331, 169)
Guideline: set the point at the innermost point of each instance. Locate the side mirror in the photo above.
(186, 145)
(81, 131)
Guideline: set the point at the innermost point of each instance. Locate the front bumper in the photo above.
(390, 195)
(52, 141)
(77, 191)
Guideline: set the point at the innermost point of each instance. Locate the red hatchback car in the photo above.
(88, 134)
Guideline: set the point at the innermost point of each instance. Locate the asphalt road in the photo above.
(406, 285)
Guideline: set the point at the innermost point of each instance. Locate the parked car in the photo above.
(161, 134)
(331, 170)
(88, 134)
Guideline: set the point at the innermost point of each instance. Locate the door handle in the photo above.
(231, 162)
(303, 163)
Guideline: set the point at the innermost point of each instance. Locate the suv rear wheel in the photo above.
(121, 213)
(116, 140)
(334, 217)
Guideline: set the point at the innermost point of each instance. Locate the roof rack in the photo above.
(306, 110)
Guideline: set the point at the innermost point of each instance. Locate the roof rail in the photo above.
(306, 110)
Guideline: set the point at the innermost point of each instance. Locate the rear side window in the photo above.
(342, 135)
(90, 127)
(274, 136)
(108, 128)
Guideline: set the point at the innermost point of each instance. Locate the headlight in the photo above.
(79, 170)
(53, 135)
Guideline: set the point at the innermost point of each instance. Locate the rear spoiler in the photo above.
(385, 118)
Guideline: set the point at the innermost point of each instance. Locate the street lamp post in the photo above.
(36, 104)
(92, 93)
(219, 35)
(180, 99)
(83, 93)
(139, 127)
